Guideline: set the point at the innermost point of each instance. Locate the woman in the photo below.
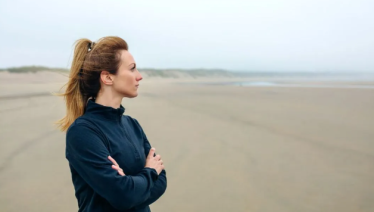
(112, 163)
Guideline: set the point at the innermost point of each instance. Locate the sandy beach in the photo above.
(226, 148)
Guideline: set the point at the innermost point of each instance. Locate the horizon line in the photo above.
(210, 69)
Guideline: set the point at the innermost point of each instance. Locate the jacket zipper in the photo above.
(125, 132)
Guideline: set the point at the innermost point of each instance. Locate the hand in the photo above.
(116, 166)
(154, 162)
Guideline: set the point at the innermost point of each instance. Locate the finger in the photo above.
(161, 162)
(116, 167)
(151, 152)
(113, 161)
(158, 157)
(119, 170)
(160, 169)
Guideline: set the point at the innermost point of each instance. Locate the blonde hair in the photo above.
(89, 60)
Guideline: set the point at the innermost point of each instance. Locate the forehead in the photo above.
(126, 57)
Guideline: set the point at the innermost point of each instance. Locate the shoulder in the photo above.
(80, 125)
(82, 133)
(84, 142)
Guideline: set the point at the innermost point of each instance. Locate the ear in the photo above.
(106, 77)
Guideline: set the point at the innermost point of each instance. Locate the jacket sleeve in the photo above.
(88, 155)
(160, 185)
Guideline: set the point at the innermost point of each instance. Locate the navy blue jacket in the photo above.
(104, 131)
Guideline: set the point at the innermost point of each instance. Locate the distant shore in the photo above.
(177, 73)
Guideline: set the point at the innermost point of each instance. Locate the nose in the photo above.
(139, 77)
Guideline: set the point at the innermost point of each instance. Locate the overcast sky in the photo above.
(276, 35)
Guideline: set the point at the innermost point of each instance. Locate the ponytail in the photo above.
(84, 80)
(75, 101)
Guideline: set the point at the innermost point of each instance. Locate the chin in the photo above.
(132, 95)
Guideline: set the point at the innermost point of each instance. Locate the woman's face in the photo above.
(126, 81)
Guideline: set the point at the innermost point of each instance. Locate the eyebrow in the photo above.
(133, 64)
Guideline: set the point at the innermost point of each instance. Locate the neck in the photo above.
(108, 99)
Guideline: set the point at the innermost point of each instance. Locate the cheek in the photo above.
(126, 81)
(130, 79)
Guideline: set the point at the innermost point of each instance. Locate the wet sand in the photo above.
(225, 148)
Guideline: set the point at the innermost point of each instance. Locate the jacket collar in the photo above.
(104, 111)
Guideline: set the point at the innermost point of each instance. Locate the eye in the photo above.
(133, 68)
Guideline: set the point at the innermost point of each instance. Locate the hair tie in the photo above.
(90, 46)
